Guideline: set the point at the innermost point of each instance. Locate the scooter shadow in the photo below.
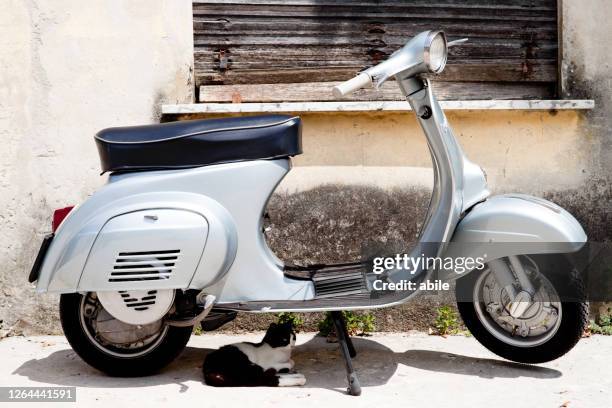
(319, 361)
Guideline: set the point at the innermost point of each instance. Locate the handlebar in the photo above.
(412, 59)
(360, 81)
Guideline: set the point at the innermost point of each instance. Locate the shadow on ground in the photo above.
(319, 361)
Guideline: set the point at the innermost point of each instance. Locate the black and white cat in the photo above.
(266, 364)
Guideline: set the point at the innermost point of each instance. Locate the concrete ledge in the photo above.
(196, 108)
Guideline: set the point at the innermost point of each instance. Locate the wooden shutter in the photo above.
(262, 51)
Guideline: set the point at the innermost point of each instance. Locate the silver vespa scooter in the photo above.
(175, 239)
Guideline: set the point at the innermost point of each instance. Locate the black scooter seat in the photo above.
(195, 143)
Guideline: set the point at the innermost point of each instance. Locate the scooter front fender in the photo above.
(513, 224)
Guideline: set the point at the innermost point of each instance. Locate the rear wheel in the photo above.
(551, 325)
(115, 347)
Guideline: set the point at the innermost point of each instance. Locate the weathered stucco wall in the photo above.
(520, 150)
(68, 69)
(527, 151)
(587, 72)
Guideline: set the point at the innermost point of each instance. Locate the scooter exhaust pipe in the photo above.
(208, 302)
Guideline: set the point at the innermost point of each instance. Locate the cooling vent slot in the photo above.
(141, 304)
(144, 266)
(340, 281)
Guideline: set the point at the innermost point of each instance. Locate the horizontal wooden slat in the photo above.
(517, 69)
(512, 42)
(535, 71)
(362, 55)
(256, 50)
(321, 91)
(282, 27)
(391, 10)
(532, 4)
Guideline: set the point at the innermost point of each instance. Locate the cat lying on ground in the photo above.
(265, 364)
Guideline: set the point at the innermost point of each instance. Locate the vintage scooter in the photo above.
(175, 239)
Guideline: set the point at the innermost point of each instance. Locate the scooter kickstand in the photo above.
(348, 351)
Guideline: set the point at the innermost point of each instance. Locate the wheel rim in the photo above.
(538, 324)
(114, 337)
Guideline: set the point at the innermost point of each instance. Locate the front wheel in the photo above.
(117, 348)
(551, 325)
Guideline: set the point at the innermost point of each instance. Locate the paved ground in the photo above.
(413, 370)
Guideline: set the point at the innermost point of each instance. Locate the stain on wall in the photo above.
(587, 73)
(340, 223)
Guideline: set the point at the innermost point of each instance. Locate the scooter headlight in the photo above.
(436, 52)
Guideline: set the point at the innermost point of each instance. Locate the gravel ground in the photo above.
(394, 369)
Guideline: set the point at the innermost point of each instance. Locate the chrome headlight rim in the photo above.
(427, 51)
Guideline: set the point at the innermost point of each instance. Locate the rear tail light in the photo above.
(59, 215)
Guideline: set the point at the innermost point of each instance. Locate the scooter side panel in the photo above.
(62, 270)
(147, 249)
